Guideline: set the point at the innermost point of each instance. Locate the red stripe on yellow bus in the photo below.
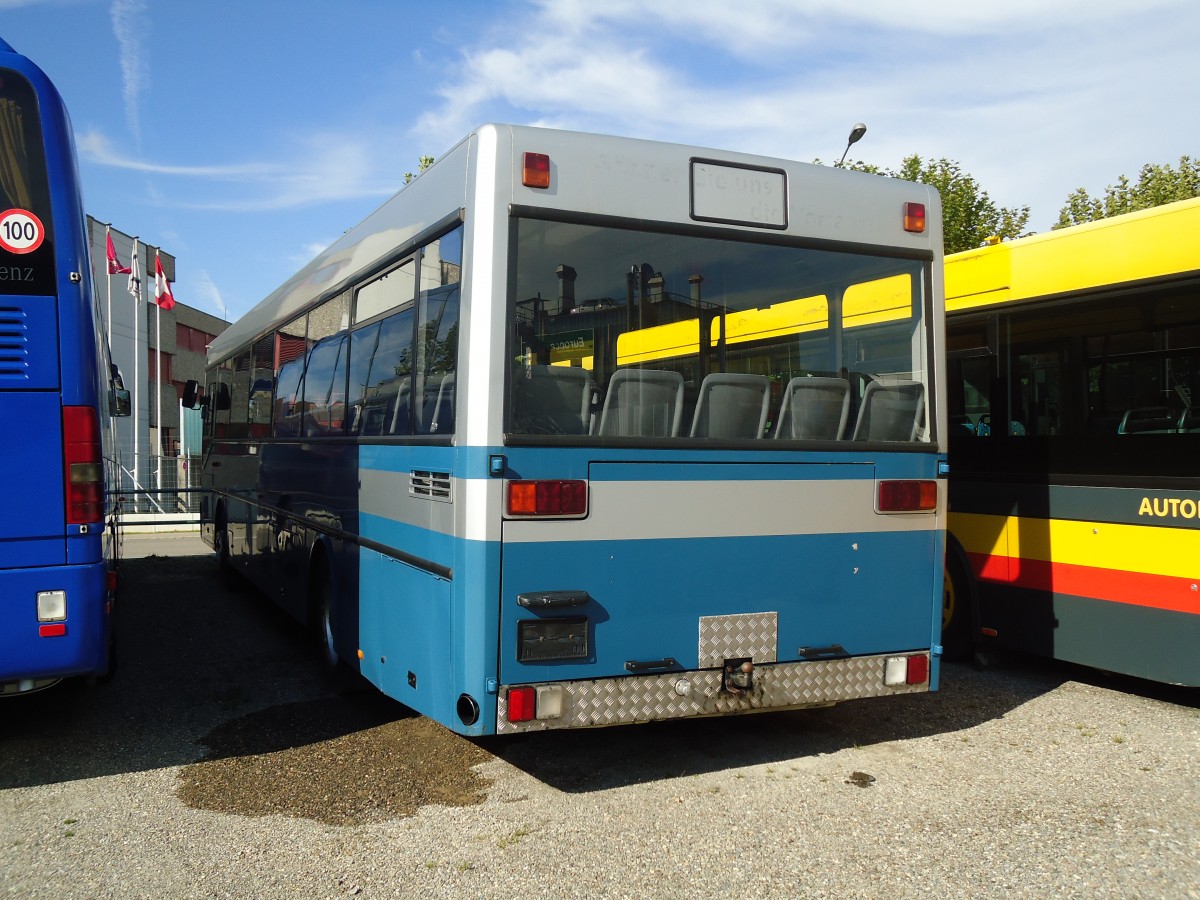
(1136, 588)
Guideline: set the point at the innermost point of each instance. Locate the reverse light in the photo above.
(900, 670)
(535, 170)
(527, 703)
(914, 217)
(555, 497)
(51, 606)
(906, 496)
(84, 476)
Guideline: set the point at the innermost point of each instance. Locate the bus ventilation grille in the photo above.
(14, 343)
(434, 485)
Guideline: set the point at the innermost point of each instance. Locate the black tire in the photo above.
(324, 616)
(229, 575)
(956, 611)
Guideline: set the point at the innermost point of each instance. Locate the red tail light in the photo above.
(914, 217)
(907, 496)
(522, 703)
(535, 170)
(918, 670)
(547, 498)
(84, 475)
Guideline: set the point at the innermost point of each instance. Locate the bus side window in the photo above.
(438, 359)
(324, 387)
(239, 407)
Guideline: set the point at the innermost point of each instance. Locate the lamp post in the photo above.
(856, 134)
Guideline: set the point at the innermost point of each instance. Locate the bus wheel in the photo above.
(956, 612)
(324, 601)
(229, 575)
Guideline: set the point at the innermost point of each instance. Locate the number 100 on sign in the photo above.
(21, 231)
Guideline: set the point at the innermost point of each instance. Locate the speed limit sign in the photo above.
(21, 231)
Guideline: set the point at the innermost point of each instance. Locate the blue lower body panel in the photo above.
(82, 649)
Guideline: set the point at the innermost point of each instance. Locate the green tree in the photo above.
(423, 163)
(969, 216)
(1155, 186)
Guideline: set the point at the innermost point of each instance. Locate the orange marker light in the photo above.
(547, 498)
(914, 217)
(535, 170)
(907, 496)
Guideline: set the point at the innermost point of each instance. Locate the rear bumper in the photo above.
(686, 694)
(82, 649)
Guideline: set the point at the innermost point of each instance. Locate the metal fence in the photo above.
(164, 490)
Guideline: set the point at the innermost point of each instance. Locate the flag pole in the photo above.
(108, 281)
(158, 387)
(135, 290)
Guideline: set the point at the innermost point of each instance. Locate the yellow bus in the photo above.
(1073, 367)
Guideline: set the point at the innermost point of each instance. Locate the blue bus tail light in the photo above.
(52, 613)
(52, 606)
(521, 703)
(84, 482)
(528, 703)
(547, 498)
(907, 496)
(901, 670)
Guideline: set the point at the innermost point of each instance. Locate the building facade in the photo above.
(156, 351)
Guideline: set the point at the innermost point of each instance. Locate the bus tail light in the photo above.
(899, 670)
(52, 606)
(907, 496)
(527, 702)
(563, 497)
(521, 703)
(84, 478)
(914, 217)
(535, 170)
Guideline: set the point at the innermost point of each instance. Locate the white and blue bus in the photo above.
(581, 430)
(58, 392)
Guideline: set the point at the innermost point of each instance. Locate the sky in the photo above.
(244, 136)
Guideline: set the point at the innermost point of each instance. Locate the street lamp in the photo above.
(856, 134)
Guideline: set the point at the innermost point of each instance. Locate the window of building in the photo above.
(152, 373)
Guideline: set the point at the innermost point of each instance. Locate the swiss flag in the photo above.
(162, 287)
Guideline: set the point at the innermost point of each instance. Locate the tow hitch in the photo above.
(738, 677)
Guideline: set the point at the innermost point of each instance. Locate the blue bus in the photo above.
(58, 543)
(580, 430)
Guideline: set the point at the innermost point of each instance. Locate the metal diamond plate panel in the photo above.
(646, 698)
(752, 635)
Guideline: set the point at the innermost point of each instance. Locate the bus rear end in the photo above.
(720, 479)
(55, 601)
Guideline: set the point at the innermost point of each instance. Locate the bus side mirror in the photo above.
(119, 402)
(191, 394)
(118, 396)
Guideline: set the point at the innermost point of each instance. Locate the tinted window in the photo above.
(25, 188)
(645, 335)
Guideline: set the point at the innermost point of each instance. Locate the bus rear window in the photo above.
(24, 191)
(640, 335)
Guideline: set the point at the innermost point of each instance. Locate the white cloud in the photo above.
(1029, 97)
(202, 291)
(320, 168)
(130, 24)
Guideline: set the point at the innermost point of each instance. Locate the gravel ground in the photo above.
(221, 762)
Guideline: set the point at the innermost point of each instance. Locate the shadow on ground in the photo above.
(226, 686)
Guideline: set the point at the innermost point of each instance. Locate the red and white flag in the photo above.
(114, 267)
(162, 287)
